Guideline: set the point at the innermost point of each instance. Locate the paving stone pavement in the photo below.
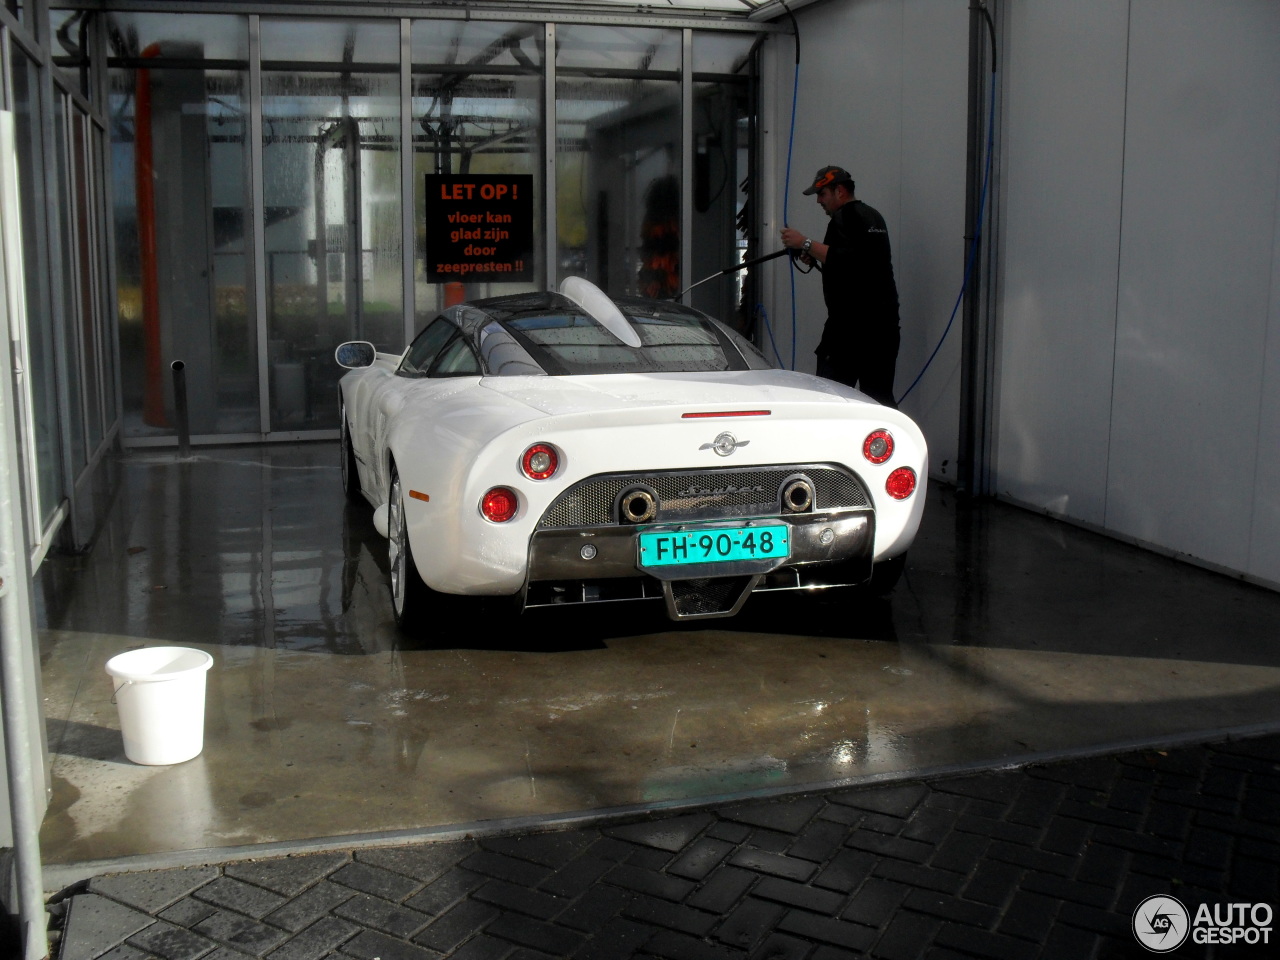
(1042, 861)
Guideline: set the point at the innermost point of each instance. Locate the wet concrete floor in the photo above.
(1011, 637)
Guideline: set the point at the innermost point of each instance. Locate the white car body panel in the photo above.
(601, 424)
(644, 402)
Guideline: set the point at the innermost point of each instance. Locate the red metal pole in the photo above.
(144, 178)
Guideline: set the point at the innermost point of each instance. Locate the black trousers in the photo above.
(869, 366)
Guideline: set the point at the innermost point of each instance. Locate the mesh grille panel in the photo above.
(705, 597)
(724, 492)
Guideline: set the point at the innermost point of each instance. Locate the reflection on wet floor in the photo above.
(1011, 636)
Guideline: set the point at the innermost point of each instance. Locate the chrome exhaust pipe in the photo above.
(637, 506)
(797, 496)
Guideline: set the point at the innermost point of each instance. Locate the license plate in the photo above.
(661, 548)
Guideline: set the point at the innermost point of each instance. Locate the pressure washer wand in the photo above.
(728, 270)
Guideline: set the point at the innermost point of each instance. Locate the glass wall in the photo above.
(618, 157)
(44, 446)
(80, 255)
(79, 387)
(721, 219)
(67, 413)
(179, 112)
(326, 188)
(477, 95)
(331, 174)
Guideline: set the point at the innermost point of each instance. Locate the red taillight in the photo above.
(878, 447)
(499, 505)
(539, 461)
(901, 483)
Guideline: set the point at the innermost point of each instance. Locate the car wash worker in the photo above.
(859, 344)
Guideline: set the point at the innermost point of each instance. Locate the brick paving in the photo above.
(1044, 861)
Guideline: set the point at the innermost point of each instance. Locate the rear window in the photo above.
(574, 343)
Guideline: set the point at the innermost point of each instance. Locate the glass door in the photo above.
(331, 180)
(179, 120)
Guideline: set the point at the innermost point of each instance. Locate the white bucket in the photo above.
(160, 695)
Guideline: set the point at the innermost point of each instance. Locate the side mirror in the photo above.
(355, 353)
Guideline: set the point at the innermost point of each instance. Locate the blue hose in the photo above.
(760, 310)
(786, 198)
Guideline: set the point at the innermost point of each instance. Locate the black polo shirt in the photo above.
(857, 279)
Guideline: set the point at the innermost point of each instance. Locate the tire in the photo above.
(886, 574)
(409, 595)
(347, 455)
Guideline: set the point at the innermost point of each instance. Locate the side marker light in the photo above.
(419, 495)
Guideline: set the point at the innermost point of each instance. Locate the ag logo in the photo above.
(724, 444)
(1161, 923)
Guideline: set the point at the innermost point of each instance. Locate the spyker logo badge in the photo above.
(724, 444)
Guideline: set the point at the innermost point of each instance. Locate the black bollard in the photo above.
(180, 408)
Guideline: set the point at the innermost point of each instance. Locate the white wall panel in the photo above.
(882, 93)
(1264, 547)
(1196, 262)
(929, 243)
(847, 113)
(1138, 348)
(1062, 155)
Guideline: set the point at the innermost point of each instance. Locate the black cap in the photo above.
(827, 177)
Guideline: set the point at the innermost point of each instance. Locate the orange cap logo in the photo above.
(824, 180)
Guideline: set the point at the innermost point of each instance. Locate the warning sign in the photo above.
(479, 227)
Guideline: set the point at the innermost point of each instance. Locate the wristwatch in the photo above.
(804, 247)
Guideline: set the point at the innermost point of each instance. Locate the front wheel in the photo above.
(408, 593)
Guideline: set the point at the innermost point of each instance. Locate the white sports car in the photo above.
(566, 448)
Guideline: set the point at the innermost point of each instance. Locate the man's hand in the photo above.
(794, 240)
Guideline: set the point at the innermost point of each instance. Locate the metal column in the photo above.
(973, 468)
(257, 218)
(408, 253)
(17, 632)
(686, 160)
(552, 240)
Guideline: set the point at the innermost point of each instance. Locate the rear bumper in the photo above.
(591, 564)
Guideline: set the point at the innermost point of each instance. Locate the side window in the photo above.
(426, 345)
(456, 360)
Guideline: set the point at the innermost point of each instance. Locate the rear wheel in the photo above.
(408, 593)
(350, 475)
